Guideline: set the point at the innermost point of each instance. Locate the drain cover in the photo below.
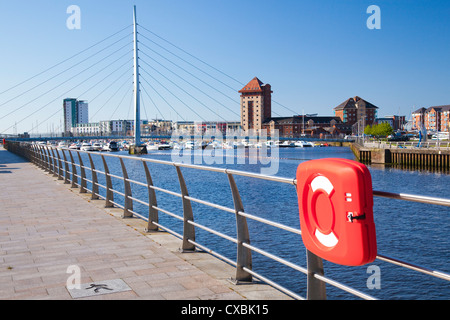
(98, 288)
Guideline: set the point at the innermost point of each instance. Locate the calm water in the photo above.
(416, 233)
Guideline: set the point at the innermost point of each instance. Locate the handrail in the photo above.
(412, 197)
(45, 158)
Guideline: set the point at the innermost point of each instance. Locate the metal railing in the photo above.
(411, 144)
(61, 163)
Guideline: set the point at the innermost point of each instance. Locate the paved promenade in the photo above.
(46, 227)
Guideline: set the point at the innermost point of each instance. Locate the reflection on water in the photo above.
(405, 230)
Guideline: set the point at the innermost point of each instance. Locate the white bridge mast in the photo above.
(138, 148)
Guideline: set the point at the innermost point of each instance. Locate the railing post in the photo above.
(128, 202)
(83, 175)
(66, 168)
(316, 289)
(36, 155)
(55, 172)
(74, 171)
(32, 153)
(39, 156)
(188, 229)
(49, 160)
(244, 255)
(51, 157)
(152, 212)
(94, 195)
(46, 159)
(109, 193)
(59, 165)
(29, 153)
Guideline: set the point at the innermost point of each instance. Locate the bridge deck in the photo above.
(45, 227)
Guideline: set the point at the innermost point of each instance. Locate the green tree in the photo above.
(384, 129)
(381, 130)
(368, 130)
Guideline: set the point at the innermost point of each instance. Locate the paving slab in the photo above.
(52, 237)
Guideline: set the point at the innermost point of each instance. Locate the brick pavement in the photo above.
(45, 227)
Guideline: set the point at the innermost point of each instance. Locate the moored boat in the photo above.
(111, 146)
(85, 146)
(97, 146)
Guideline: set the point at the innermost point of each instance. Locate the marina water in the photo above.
(413, 232)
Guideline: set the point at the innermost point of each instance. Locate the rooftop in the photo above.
(355, 102)
(253, 86)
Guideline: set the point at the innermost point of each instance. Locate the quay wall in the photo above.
(432, 158)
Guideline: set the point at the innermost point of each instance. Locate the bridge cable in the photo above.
(59, 63)
(239, 82)
(61, 83)
(123, 97)
(188, 63)
(143, 104)
(118, 89)
(189, 83)
(187, 93)
(232, 99)
(38, 85)
(95, 97)
(153, 102)
(156, 91)
(102, 80)
(174, 95)
(59, 97)
(190, 54)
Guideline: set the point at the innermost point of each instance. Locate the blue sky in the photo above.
(315, 54)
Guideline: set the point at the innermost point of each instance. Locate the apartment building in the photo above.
(435, 118)
(75, 112)
(356, 109)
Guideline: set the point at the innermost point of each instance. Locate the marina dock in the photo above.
(407, 157)
(47, 230)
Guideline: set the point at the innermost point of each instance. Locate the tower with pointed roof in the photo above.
(256, 104)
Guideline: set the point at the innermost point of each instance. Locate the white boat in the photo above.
(86, 147)
(303, 144)
(97, 146)
(215, 145)
(124, 145)
(164, 146)
(188, 145)
(226, 145)
(111, 146)
(200, 145)
(286, 144)
(255, 145)
(441, 136)
(75, 146)
(237, 145)
(152, 146)
(176, 146)
(62, 145)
